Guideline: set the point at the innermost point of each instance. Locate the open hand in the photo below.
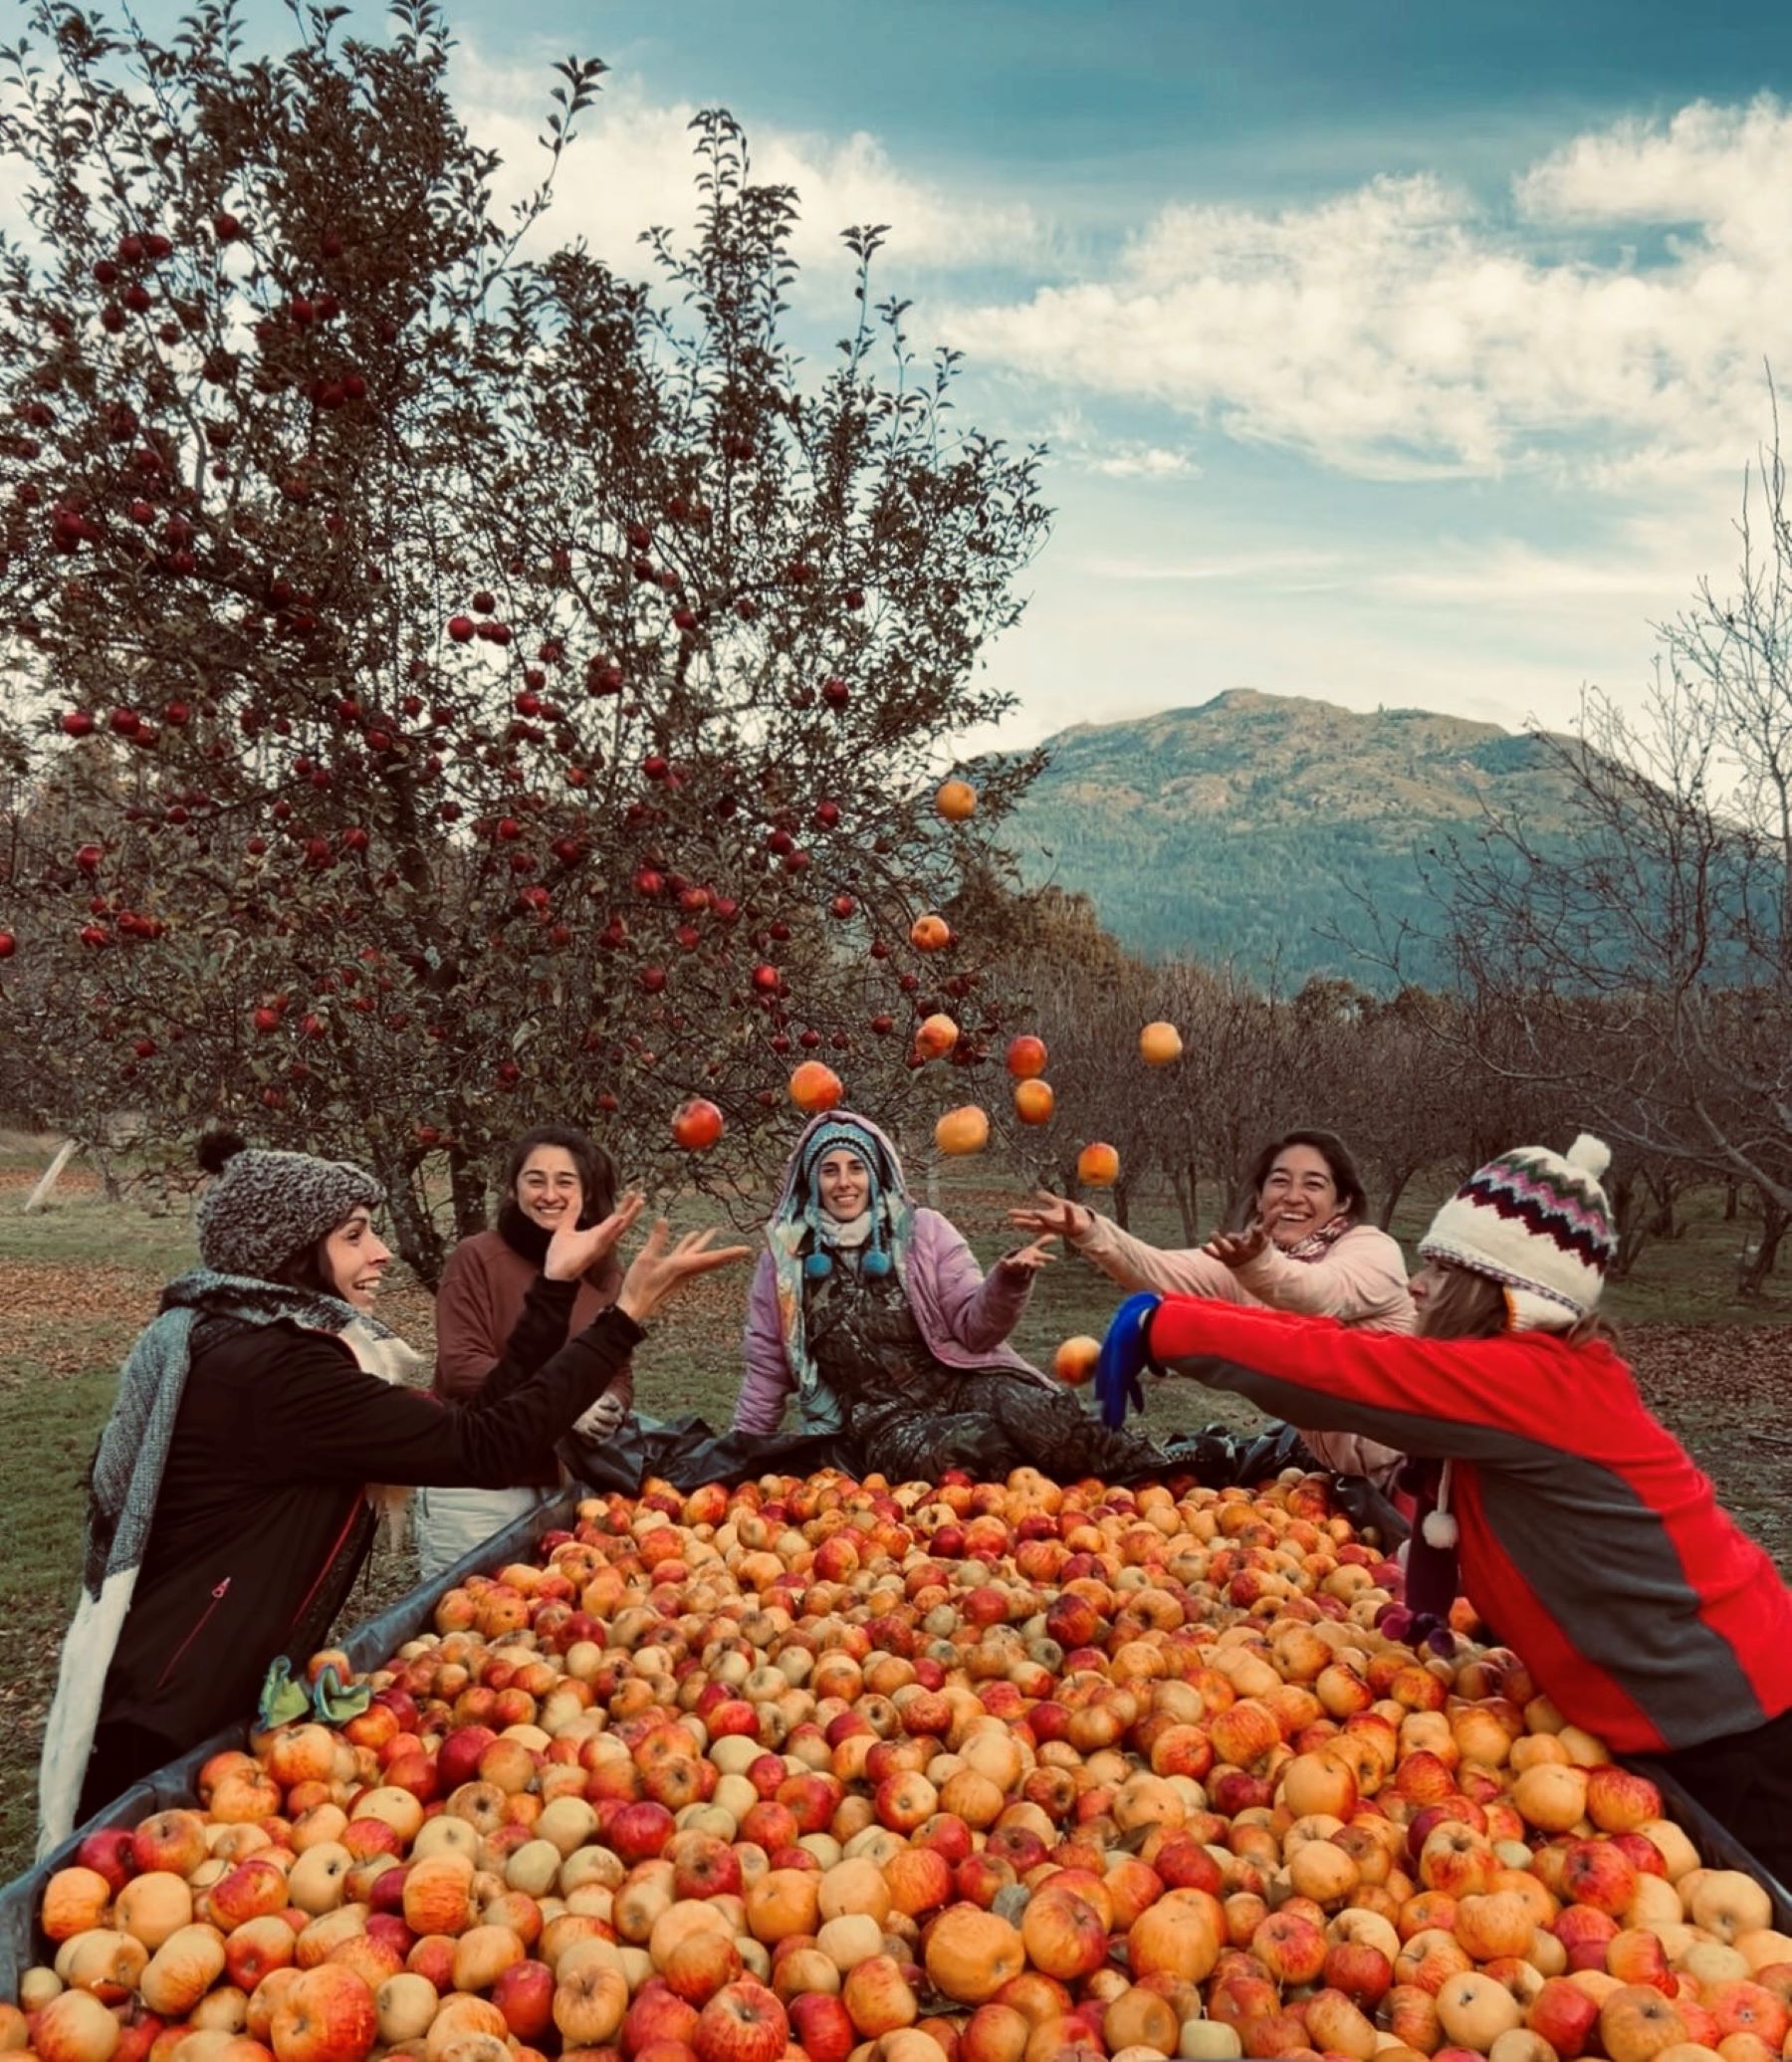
(572, 1253)
(1053, 1216)
(662, 1268)
(1029, 1259)
(1236, 1248)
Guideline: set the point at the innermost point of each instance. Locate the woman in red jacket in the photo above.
(553, 1175)
(1586, 1535)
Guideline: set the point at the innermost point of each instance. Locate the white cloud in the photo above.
(1145, 462)
(1270, 567)
(632, 168)
(1723, 169)
(1524, 575)
(1073, 441)
(1399, 330)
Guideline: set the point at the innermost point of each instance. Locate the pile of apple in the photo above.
(975, 1772)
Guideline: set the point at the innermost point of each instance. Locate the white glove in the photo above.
(603, 1418)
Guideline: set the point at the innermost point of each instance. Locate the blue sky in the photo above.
(1398, 354)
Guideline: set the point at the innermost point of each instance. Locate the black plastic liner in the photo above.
(686, 1453)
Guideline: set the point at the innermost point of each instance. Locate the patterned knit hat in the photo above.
(1539, 1223)
(263, 1208)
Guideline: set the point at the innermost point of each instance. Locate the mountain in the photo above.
(1251, 828)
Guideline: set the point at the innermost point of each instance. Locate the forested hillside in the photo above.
(1255, 827)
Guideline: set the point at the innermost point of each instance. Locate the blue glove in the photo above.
(1125, 1354)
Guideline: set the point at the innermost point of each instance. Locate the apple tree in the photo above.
(464, 685)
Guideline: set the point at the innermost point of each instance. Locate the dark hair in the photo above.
(305, 1269)
(1353, 1198)
(597, 1170)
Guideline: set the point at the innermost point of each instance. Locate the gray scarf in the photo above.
(132, 1455)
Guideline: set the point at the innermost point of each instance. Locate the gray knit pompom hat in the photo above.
(263, 1208)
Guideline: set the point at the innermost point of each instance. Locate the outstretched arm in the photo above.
(1473, 1399)
(1361, 1279)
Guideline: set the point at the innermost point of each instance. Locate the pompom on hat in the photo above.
(262, 1207)
(1537, 1222)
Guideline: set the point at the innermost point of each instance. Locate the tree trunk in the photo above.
(109, 1180)
(1729, 1202)
(466, 1184)
(1186, 1183)
(1122, 1194)
(1628, 1222)
(1757, 1262)
(420, 1244)
(1664, 1224)
(1397, 1187)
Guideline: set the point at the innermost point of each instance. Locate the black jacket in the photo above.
(261, 1522)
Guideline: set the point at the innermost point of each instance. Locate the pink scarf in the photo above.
(1316, 1245)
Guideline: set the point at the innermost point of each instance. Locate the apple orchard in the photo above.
(455, 685)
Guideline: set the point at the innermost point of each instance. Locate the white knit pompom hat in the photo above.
(1539, 1223)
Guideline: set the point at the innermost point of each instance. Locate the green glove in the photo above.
(334, 1701)
(281, 1700)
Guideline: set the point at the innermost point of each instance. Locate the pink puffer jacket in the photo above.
(964, 1316)
(1360, 1280)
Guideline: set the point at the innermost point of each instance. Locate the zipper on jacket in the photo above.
(218, 1595)
(329, 1559)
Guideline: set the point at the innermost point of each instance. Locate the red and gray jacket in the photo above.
(1589, 1539)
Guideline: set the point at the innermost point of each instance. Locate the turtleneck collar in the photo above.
(522, 1234)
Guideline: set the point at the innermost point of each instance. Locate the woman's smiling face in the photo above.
(1298, 1195)
(355, 1259)
(842, 1183)
(549, 1190)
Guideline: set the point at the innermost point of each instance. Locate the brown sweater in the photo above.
(477, 1307)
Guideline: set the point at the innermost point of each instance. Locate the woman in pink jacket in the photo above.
(874, 1314)
(1304, 1248)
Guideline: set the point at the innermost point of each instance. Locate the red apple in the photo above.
(327, 2015)
(524, 1993)
(743, 2022)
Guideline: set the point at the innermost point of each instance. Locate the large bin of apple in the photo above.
(969, 1773)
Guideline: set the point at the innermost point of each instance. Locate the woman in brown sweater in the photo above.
(553, 1175)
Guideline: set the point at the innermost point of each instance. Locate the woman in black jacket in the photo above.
(232, 1499)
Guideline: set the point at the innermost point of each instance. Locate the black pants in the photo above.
(1744, 1782)
(121, 1755)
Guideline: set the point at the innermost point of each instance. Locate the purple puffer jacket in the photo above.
(964, 1318)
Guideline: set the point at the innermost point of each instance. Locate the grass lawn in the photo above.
(79, 1279)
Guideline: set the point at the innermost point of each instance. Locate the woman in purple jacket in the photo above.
(875, 1313)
